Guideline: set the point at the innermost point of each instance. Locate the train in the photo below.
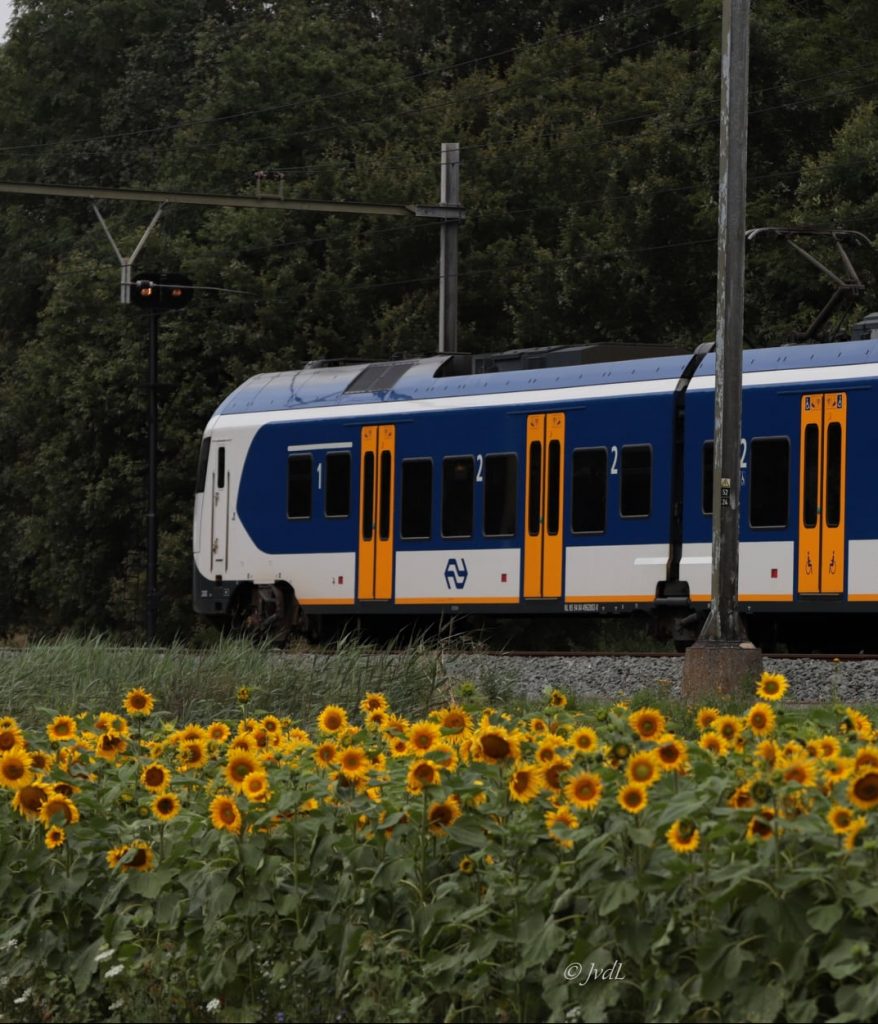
(561, 481)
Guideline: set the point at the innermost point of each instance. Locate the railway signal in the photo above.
(162, 293)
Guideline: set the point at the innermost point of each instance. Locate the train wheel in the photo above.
(267, 614)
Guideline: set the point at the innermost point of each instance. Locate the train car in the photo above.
(451, 484)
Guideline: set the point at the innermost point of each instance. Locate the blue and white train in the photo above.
(420, 487)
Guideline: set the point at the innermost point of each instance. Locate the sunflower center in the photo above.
(495, 746)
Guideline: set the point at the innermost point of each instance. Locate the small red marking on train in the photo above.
(502, 577)
(341, 579)
(774, 574)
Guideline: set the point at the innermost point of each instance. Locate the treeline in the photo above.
(589, 163)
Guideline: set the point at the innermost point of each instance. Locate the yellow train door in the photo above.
(375, 561)
(822, 479)
(544, 506)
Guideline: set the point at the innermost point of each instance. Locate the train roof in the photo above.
(444, 376)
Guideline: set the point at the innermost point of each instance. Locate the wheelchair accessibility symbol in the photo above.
(456, 573)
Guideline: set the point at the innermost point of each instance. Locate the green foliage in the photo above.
(589, 151)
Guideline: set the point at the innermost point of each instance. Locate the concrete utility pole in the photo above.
(723, 660)
(449, 197)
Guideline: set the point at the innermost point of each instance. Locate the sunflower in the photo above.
(705, 717)
(454, 722)
(110, 745)
(55, 805)
(325, 754)
(420, 774)
(354, 763)
(863, 790)
(729, 727)
(584, 740)
(192, 755)
(271, 724)
(54, 837)
(538, 725)
(838, 769)
(238, 766)
(29, 799)
(255, 787)
(224, 814)
(760, 825)
(771, 686)
(244, 741)
(683, 836)
(11, 736)
(557, 699)
(135, 856)
(218, 732)
(800, 770)
(8, 722)
(742, 797)
(423, 736)
(547, 749)
(648, 723)
(768, 750)
(374, 702)
(396, 725)
(445, 755)
(332, 718)
(138, 702)
(866, 757)
(15, 768)
(62, 727)
(854, 829)
(633, 798)
(108, 722)
(840, 818)
(466, 865)
(493, 744)
(441, 815)
(553, 771)
(243, 695)
(584, 790)
(166, 806)
(155, 777)
(671, 754)
(525, 782)
(760, 719)
(40, 761)
(399, 746)
(643, 768)
(376, 719)
(566, 818)
(714, 744)
(859, 722)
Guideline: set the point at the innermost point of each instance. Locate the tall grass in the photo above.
(72, 674)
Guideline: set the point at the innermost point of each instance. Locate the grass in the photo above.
(198, 685)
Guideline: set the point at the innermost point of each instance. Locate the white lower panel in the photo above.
(451, 576)
(863, 568)
(766, 570)
(617, 572)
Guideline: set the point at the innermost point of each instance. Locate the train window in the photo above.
(417, 499)
(769, 481)
(221, 467)
(833, 474)
(553, 485)
(707, 478)
(201, 471)
(589, 506)
(299, 487)
(535, 468)
(636, 487)
(501, 480)
(457, 496)
(368, 503)
(337, 500)
(811, 475)
(384, 480)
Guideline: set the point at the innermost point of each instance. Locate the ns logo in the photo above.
(456, 573)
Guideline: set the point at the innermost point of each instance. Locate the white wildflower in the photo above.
(114, 970)
(105, 955)
(23, 998)
(117, 1005)
(213, 1006)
